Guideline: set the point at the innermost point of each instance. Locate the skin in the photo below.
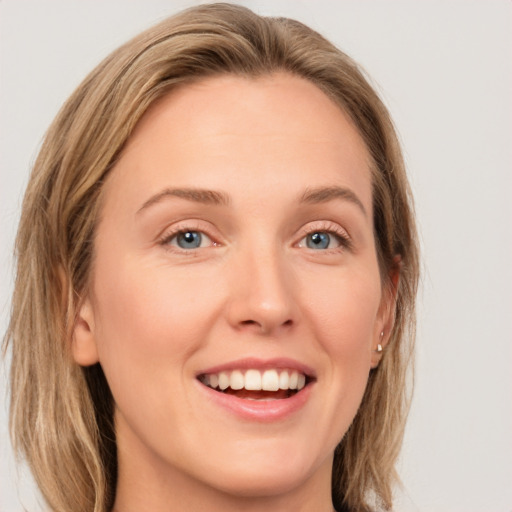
(157, 314)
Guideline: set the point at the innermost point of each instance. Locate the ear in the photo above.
(386, 314)
(83, 343)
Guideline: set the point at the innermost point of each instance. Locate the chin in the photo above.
(265, 474)
(254, 483)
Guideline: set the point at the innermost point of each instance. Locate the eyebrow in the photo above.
(325, 194)
(197, 195)
(214, 197)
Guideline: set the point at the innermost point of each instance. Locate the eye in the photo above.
(318, 240)
(189, 239)
(328, 237)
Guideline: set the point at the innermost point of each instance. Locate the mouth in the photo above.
(260, 385)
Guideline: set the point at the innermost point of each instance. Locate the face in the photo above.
(235, 250)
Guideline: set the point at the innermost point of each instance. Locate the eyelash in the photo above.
(330, 228)
(168, 236)
(327, 227)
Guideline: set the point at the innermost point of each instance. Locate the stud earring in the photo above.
(379, 345)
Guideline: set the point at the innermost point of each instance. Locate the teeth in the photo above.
(294, 380)
(214, 380)
(237, 380)
(270, 381)
(252, 380)
(284, 380)
(223, 380)
(255, 380)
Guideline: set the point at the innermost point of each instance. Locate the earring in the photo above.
(379, 346)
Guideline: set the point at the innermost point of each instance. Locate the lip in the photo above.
(259, 410)
(248, 363)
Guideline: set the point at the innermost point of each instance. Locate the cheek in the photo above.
(346, 307)
(345, 317)
(342, 308)
(147, 321)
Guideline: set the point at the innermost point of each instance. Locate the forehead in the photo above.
(221, 103)
(222, 128)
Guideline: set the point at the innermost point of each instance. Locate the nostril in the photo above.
(264, 327)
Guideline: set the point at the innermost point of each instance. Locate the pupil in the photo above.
(189, 240)
(318, 241)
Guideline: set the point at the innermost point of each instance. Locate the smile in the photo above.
(269, 384)
(258, 390)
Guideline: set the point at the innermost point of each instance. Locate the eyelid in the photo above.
(327, 227)
(174, 238)
(199, 226)
(182, 227)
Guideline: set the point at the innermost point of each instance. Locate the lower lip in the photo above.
(260, 410)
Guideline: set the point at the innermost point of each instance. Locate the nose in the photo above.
(262, 297)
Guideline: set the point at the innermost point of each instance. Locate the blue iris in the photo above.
(189, 240)
(318, 240)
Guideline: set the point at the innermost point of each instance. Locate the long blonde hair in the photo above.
(61, 414)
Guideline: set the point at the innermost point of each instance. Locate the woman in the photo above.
(217, 266)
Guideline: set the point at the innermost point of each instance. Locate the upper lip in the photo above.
(253, 363)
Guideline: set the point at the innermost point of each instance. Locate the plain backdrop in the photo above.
(444, 68)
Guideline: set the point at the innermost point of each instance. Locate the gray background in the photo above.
(444, 69)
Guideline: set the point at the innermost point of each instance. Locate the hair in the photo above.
(61, 415)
